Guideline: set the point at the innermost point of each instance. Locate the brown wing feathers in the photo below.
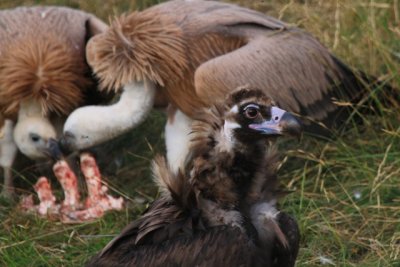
(42, 57)
(173, 213)
(45, 71)
(135, 47)
(207, 48)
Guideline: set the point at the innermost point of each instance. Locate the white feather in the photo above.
(263, 215)
(177, 139)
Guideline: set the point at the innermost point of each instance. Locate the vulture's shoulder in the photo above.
(201, 14)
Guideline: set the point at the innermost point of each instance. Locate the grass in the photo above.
(346, 192)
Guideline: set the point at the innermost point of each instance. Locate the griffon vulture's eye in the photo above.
(34, 137)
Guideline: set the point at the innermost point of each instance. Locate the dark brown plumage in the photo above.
(220, 210)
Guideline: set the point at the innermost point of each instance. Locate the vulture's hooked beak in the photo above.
(53, 149)
(66, 142)
(281, 123)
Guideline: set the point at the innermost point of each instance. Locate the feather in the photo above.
(198, 55)
(137, 46)
(226, 190)
(42, 58)
(45, 70)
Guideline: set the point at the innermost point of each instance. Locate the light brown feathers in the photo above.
(138, 46)
(42, 58)
(198, 51)
(172, 186)
(44, 70)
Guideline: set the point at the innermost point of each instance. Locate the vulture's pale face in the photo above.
(33, 130)
(32, 135)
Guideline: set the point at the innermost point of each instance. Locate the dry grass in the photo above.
(346, 191)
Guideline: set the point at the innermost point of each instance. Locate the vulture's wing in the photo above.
(285, 257)
(220, 246)
(290, 65)
(95, 26)
(161, 217)
(166, 236)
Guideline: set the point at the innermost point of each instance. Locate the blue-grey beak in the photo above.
(281, 123)
(53, 149)
(66, 142)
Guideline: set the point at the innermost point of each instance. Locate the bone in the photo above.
(84, 215)
(47, 200)
(69, 183)
(97, 192)
(71, 210)
(93, 179)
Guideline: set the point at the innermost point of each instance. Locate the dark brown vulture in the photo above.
(43, 78)
(189, 54)
(220, 209)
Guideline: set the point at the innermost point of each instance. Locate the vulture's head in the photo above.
(251, 116)
(43, 70)
(32, 136)
(33, 131)
(40, 79)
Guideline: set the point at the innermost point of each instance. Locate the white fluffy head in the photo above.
(31, 135)
(33, 130)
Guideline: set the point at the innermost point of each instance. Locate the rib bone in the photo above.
(69, 183)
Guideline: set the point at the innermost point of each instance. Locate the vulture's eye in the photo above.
(251, 111)
(34, 137)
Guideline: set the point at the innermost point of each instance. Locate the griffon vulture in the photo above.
(220, 209)
(43, 78)
(190, 54)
